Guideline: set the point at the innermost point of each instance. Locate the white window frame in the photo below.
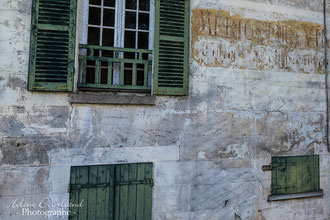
(119, 30)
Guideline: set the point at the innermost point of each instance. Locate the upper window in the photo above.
(129, 45)
(112, 26)
(295, 177)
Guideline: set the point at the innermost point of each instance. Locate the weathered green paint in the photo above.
(295, 174)
(47, 72)
(110, 63)
(171, 48)
(114, 192)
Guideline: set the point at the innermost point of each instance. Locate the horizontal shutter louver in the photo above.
(171, 50)
(52, 45)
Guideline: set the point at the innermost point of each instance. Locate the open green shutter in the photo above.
(52, 45)
(171, 47)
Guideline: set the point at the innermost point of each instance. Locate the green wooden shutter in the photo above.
(171, 47)
(112, 192)
(93, 186)
(52, 45)
(133, 189)
(295, 174)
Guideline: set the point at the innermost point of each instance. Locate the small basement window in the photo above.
(295, 177)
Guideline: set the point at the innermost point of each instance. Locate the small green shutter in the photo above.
(295, 174)
(171, 48)
(111, 192)
(52, 45)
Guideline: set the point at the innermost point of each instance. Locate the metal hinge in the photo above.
(80, 186)
(276, 165)
(136, 182)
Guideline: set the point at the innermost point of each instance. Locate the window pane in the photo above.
(144, 5)
(143, 21)
(130, 4)
(93, 36)
(108, 37)
(110, 3)
(109, 17)
(95, 2)
(130, 20)
(130, 39)
(143, 40)
(90, 72)
(94, 16)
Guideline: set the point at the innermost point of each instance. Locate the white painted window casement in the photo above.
(125, 24)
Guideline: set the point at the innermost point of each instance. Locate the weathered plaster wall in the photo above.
(256, 90)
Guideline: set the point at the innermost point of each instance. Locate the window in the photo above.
(126, 45)
(111, 191)
(298, 176)
(113, 25)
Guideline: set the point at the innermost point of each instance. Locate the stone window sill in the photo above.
(111, 99)
(272, 198)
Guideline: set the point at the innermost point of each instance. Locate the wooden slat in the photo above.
(74, 195)
(83, 193)
(148, 193)
(132, 192)
(92, 193)
(140, 206)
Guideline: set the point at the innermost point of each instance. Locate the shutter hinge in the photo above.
(266, 168)
(136, 182)
(276, 165)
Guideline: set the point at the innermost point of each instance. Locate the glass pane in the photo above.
(93, 36)
(94, 16)
(143, 40)
(95, 2)
(144, 5)
(109, 17)
(128, 77)
(143, 21)
(130, 20)
(90, 72)
(110, 3)
(130, 4)
(104, 73)
(140, 78)
(130, 39)
(108, 37)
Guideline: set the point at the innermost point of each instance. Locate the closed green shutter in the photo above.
(133, 190)
(171, 48)
(295, 174)
(112, 192)
(93, 187)
(52, 45)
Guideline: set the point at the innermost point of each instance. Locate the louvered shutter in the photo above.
(52, 45)
(171, 50)
(297, 174)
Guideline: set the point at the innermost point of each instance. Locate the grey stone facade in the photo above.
(254, 93)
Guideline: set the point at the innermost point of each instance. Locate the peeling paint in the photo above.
(220, 38)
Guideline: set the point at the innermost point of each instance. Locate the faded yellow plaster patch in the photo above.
(220, 38)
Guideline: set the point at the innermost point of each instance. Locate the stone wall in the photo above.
(256, 91)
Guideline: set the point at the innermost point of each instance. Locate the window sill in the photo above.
(272, 198)
(111, 99)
